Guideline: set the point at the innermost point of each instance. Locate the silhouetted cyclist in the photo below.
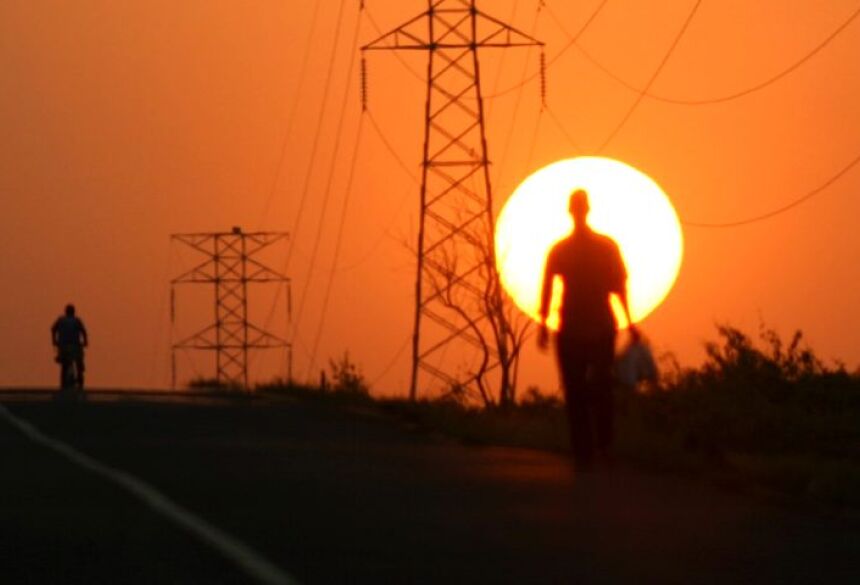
(69, 337)
(591, 270)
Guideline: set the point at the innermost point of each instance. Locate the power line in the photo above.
(293, 110)
(533, 144)
(653, 78)
(385, 231)
(731, 96)
(189, 359)
(391, 362)
(645, 92)
(330, 177)
(500, 69)
(764, 216)
(371, 250)
(391, 150)
(318, 132)
(312, 160)
(517, 103)
(563, 130)
(555, 57)
(399, 57)
(337, 245)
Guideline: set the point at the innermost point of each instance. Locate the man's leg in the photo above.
(602, 358)
(572, 365)
(79, 366)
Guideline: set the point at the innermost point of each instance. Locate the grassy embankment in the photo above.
(769, 417)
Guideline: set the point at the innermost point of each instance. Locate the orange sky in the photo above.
(124, 122)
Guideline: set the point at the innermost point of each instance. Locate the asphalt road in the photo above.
(332, 495)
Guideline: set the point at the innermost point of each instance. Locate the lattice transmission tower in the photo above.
(455, 250)
(229, 262)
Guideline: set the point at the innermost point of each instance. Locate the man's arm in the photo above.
(545, 299)
(54, 333)
(621, 291)
(622, 296)
(84, 339)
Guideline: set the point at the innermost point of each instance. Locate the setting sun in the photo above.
(626, 205)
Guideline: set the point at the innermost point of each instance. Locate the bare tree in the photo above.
(498, 329)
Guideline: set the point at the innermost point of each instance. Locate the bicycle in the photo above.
(70, 376)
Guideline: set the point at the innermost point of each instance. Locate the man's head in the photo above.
(579, 207)
(70, 310)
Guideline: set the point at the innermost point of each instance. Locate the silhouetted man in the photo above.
(69, 336)
(591, 269)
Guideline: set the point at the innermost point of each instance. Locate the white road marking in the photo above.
(244, 556)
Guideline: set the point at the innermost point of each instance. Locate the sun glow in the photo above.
(626, 205)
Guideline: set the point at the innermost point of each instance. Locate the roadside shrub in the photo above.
(203, 383)
(346, 376)
(769, 398)
(534, 399)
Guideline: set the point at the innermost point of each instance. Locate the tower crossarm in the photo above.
(256, 241)
(501, 35)
(448, 18)
(203, 339)
(261, 339)
(202, 272)
(259, 272)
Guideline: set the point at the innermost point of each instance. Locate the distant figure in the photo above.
(69, 337)
(591, 269)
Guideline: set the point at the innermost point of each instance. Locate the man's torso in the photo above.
(590, 268)
(68, 331)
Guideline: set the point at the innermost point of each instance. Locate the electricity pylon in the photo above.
(230, 263)
(456, 213)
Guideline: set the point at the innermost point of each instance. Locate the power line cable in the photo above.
(291, 117)
(391, 150)
(337, 245)
(330, 178)
(388, 367)
(190, 361)
(313, 155)
(555, 57)
(517, 104)
(730, 96)
(533, 144)
(746, 221)
(780, 210)
(397, 54)
(653, 78)
(501, 67)
(563, 130)
(318, 133)
(371, 251)
(644, 92)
